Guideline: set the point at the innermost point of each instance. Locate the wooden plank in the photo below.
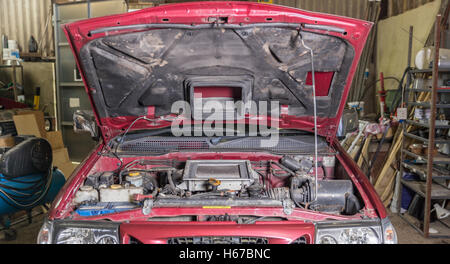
(385, 181)
(365, 151)
(389, 189)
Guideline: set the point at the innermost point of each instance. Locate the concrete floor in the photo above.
(408, 235)
(27, 233)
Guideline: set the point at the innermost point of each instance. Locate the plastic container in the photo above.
(86, 193)
(118, 193)
(135, 178)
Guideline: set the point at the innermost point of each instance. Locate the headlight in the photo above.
(80, 232)
(360, 232)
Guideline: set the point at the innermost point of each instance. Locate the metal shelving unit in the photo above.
(430, 168)
(69, 86)
(14, 69)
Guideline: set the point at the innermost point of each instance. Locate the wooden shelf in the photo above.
(438, 192)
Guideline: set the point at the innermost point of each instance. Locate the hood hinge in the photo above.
(330, 133)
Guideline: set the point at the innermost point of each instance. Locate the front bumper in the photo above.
(165, 232)
(173, 232)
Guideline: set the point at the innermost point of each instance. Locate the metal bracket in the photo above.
(147, 208)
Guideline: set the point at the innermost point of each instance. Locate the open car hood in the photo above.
(140, 63)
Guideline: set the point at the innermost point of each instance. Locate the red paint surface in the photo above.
(218, 91)
(78, 34)
(322, 82)
(11, 104)
(158, 232)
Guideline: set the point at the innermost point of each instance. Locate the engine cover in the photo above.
(232, 174)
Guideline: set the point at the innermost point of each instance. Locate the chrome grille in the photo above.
(217, 240)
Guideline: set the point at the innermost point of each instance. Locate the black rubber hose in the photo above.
(282, 167)
(325, 173)
(171, 183)
(352, 205)
(18, 201)
(395, 100)
(368, 87)
(155, 186)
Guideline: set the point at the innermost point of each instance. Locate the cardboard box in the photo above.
(30, 123)
(67, 168)
(39, 115)
(7, 141)
(60, 156)
(55, 139)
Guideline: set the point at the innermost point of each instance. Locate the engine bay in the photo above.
(288, 181)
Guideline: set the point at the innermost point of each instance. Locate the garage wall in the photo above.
(349, 8)
(393, 35)
(21, 19)
(40, 74)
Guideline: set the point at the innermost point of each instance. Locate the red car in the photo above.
(217, 123)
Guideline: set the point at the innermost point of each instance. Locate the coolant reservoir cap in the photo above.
(134, 174)
(116, 186)
(214, 182)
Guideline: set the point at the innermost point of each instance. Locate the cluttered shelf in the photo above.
(427, 104)
(427, 124)
(437, 159)
(439, 228)
(419, 187)
(439, 140)
(443, 70)
(421, 170)
(421, 102)
(441, 89)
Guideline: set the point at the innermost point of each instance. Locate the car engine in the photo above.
(289, 182)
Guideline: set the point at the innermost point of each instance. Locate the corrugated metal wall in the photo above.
(349, 8)
(21, 19)
(396, 7)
